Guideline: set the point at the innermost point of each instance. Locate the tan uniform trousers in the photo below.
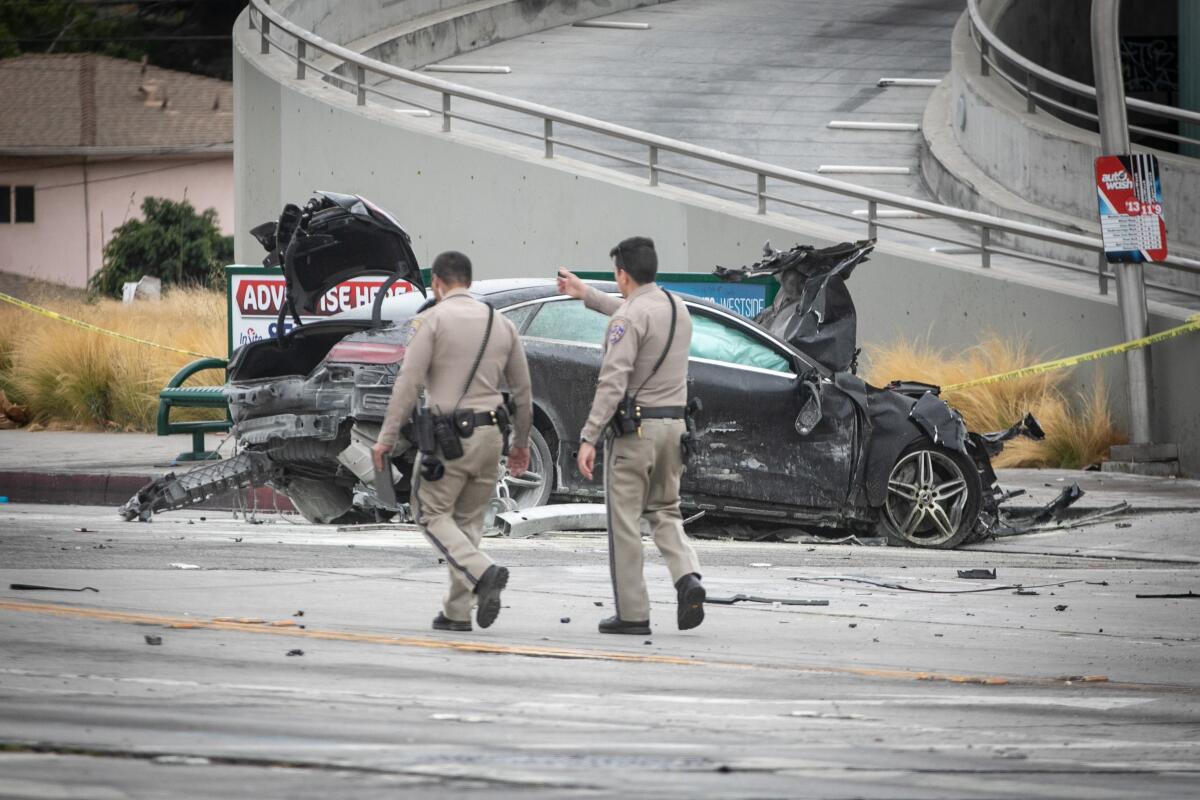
(641, 478)
(451, 512)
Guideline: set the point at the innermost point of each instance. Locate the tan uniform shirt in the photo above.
(444, 344)
(635, 339)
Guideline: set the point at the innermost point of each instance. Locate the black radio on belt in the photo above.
(627, 418)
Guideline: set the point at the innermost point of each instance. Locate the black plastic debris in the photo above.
(978, 574)
(153, 639)
(32, 587)
(299, 613)
(1029, 427)
(1066, 498)
(1176, 596)
(1060, 608)
(1025, 592)
(751, 598)
(565, 620)
(295, 652)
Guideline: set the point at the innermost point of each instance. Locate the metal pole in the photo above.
(1114, 140)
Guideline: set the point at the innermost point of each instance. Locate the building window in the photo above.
(5, 204)
(24, 203)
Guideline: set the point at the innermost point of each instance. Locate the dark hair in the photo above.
(453, 268)
(636, 256)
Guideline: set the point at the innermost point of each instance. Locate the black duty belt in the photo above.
(485, 418)
(664, 412)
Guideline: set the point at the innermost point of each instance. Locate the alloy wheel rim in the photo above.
(927, 496)
(524, 491)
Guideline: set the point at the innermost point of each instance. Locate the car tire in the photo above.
(535, 487)
(933, 498)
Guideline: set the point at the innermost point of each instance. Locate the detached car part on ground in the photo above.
(782, 437)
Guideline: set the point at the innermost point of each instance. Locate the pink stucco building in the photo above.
(84, 137)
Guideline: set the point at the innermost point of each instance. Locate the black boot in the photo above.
(691, 601)
(443, 623)
(487, 593)
(618, 625)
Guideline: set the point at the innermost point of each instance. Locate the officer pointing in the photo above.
(460, 353)
(639, 408)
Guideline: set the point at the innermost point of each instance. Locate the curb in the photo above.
(114, 489)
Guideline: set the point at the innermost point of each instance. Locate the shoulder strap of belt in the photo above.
(487, 334)
(667, 349)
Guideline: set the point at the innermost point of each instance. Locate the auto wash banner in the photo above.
(747, 298)
(254, 296)
(1129, 190)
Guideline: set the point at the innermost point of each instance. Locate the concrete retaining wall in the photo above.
(985, 152)
(517, 213)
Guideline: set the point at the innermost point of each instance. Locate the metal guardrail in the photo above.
(1034, 77)
(351, 72)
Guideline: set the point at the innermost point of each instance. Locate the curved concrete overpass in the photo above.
(519, 213)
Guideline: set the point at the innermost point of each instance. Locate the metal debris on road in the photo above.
(153, 639)
(1060, 607)
(185, 566)
(296, 652)
(751, 598)
(33, 587)
(978, 574)
(562, 517)
(1020, 588)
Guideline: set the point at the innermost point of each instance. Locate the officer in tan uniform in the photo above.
(460, 353)
(646, 361)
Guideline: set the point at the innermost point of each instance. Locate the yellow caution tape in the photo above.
(1192, 324)
(87, 326)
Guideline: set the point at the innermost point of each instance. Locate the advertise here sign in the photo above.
(255, 300)
(1129, 191)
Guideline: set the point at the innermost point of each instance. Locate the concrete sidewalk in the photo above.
(83, 468)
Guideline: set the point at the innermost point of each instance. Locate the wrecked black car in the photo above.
(782, 437)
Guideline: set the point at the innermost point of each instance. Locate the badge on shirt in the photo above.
(616, 331)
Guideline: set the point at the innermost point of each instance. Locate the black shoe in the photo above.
(691, 601)
(487, 592)
(443, 623)
(618, 625)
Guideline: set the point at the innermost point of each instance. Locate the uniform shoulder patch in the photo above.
(616, 330)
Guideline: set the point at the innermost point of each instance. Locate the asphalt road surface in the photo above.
(1079, 690)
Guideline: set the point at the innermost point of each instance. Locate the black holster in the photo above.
(688, 442)
(627, 418)
(504, 422)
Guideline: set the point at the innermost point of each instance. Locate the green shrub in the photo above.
(172, 243)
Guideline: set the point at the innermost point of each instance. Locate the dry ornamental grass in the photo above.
(69, 377)
(1079, 428)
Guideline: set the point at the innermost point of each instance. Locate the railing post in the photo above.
(300, 53)
(653, 164)
(250, 18)
(872, 211)
(360, 83)
(1030, 85)
(985, 245)
(548, 136)
(983, 54)
(1102, 271)
(761, 193)
(445, 112)
(265, 43)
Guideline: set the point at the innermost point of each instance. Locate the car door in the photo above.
(563, 346)
(749, 448)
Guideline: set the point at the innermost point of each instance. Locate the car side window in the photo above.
(568, 321)
(520, 316)
(717, 341)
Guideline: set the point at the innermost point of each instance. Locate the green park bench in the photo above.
(176, 395)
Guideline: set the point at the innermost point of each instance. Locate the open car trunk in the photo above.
(297, 354)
